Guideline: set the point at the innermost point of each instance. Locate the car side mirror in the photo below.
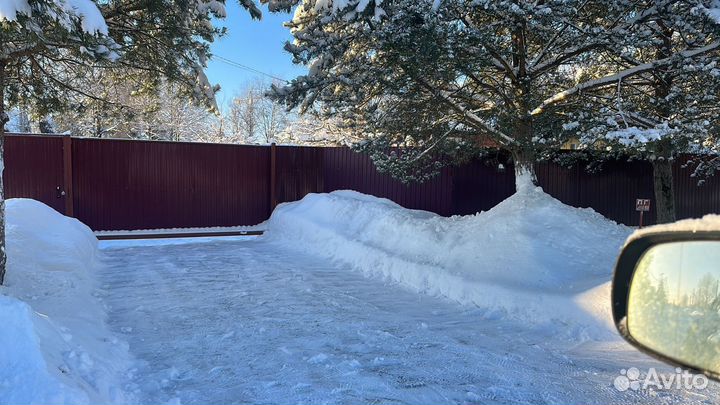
(666, 298)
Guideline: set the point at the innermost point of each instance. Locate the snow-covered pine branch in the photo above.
(476, 120)
(613, 79)
(66, 13)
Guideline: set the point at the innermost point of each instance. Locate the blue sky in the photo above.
(257, 44)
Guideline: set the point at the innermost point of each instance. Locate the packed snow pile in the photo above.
(54, 345)
(531, 257)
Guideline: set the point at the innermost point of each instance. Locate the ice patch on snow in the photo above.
(531, 257)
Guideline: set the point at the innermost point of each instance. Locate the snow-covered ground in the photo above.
(347, 299)
(55, 347)
(249, 321)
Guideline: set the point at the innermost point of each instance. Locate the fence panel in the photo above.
(611, 191)
(345, 169)
(34, 169)
(480, 185)
(123, 184)
(298, 172)
(694, 200)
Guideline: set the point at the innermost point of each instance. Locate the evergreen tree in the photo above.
(670, 104)
(439, 78)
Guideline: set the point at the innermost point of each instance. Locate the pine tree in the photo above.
(442, 77)
(438, 78)
(666, 103)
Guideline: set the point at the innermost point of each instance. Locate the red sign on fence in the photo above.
(642, 205)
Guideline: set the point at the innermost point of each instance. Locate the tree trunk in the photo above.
(524, 154)
(3, 120)
(664, 188)
(525, 177)
(662, 164)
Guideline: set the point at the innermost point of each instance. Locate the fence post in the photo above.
(273, 177)
(68, 176)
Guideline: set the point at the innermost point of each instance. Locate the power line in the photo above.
(248, 68)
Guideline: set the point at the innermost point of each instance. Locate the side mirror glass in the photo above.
(673, 303)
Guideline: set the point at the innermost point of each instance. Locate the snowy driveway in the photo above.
(244, 321)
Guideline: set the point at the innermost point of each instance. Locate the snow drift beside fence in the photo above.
(54, 345)
(531, 257)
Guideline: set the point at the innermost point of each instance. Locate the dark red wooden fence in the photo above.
(34, 169)
(123, 184)
(298, 171)
(344, 169)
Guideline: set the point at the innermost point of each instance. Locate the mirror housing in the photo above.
(633, 262)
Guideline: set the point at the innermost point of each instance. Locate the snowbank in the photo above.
(54, 345)
(531, 257)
